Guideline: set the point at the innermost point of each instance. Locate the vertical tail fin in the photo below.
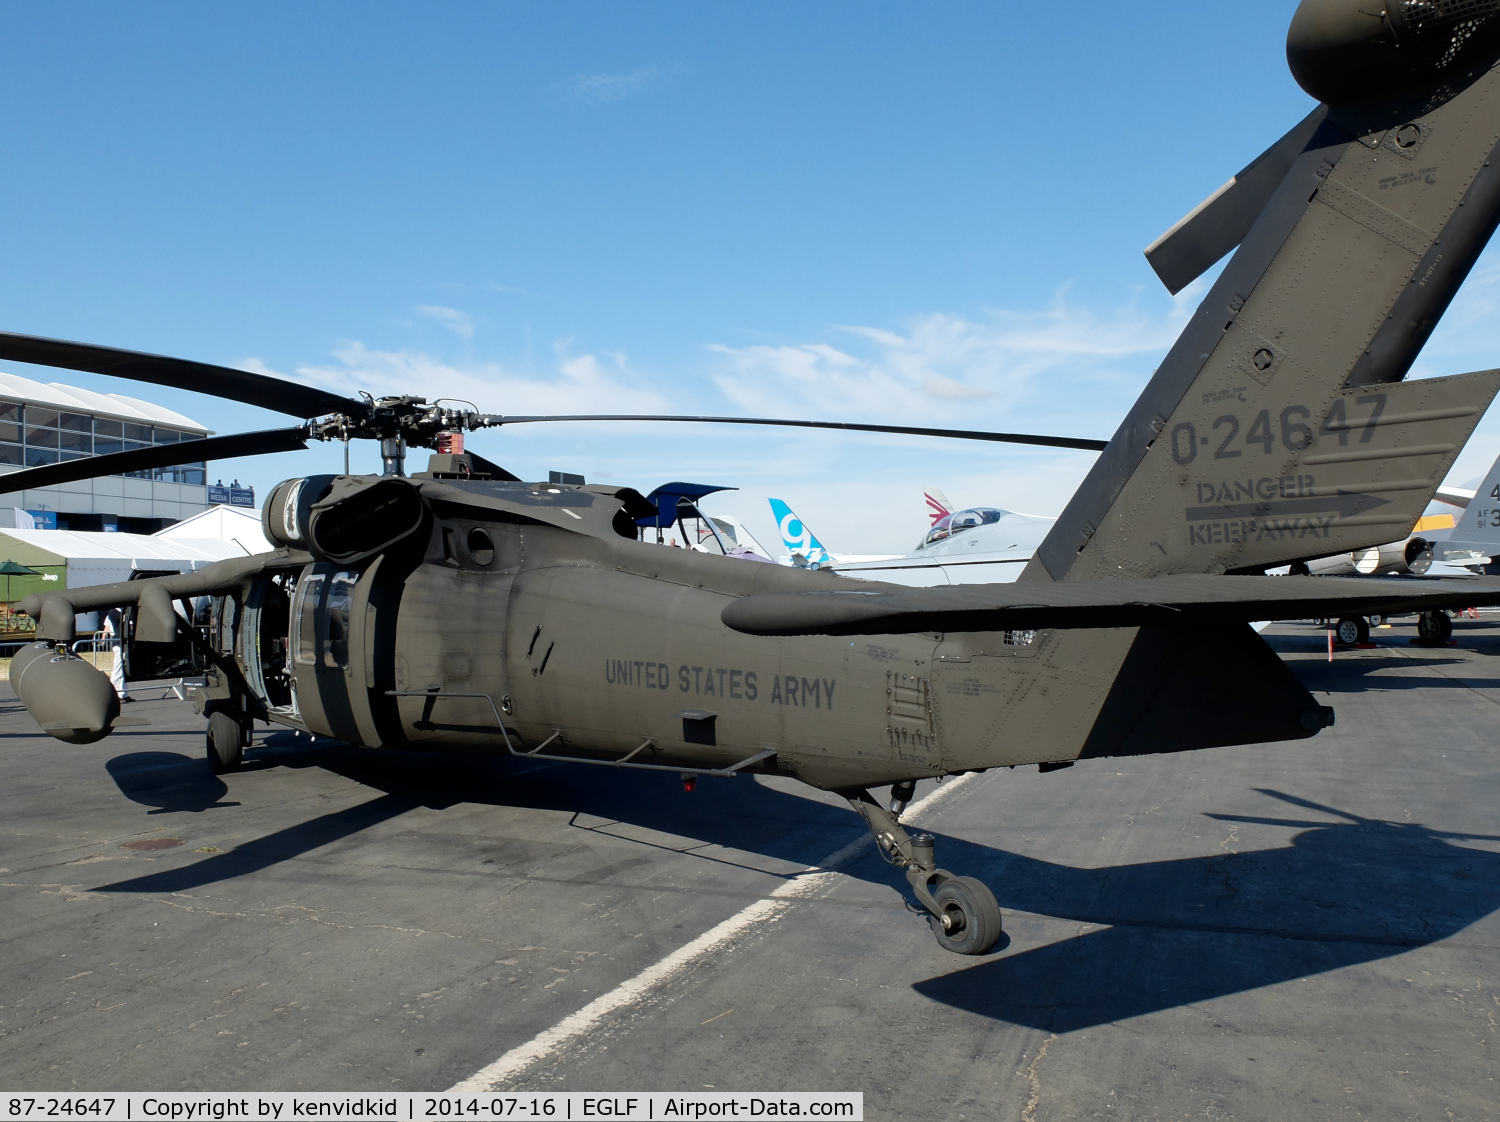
(938, 505)
(1478, 526)
(795, 535)
(1279, 426)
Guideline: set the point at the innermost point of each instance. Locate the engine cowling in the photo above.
(1381, 560)
(69, 698)
(1344, 51)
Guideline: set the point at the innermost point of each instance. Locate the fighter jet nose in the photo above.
(1344, 51)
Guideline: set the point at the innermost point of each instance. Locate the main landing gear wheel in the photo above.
(962, 911)
(1434, 627)
(969, 922)
(226, 743)
(1351, 631)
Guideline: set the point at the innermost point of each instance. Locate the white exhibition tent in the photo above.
(102, 558)
(236, 525)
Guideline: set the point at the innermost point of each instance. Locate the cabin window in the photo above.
(340, 596)
(308, 591)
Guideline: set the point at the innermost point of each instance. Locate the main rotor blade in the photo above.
(275, 394)
(904, 430)
(157, 456)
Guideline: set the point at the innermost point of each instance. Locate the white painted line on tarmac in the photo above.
(807, 883)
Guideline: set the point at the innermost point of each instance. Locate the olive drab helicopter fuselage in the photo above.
(527, 617)
(464, 609)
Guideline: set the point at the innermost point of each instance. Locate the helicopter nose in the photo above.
(1343, 51)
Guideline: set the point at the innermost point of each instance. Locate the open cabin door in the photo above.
(149, 662)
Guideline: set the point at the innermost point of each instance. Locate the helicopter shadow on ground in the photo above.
(736, 814)
(1387, 673)
(1343, 892)
(168, 782)
(1369, 671)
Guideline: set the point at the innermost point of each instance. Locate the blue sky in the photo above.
(927, 214)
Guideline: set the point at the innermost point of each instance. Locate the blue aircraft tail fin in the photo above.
(795, 534)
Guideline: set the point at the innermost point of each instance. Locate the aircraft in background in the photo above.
(735, 538)
(938, 505)
(1438, 545)
(680, 521)
(804, 550)
(1409, 555)
(1455, 496)
(1474, 540)
(981, 545)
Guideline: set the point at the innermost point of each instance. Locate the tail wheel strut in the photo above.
(962, 911)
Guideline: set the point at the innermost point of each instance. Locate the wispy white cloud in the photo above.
(460, 323)
(940, 365)
(580, 384)
(601, 89)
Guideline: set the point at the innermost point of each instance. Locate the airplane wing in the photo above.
(1182, 600)
(1455, 496)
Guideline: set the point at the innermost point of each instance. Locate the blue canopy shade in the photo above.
(668, 495)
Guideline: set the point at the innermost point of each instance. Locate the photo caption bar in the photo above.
(284, 1106)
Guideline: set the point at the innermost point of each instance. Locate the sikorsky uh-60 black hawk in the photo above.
(461, 608)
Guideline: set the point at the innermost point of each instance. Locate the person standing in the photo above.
(114, 629)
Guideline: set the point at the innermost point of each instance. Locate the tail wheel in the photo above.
(225, 743)
(1352, 630)
(968, 919)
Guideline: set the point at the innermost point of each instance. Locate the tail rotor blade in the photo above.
(158, 456)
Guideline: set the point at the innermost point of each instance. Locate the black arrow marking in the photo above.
(1344, 504)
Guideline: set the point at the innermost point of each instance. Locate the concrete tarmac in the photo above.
(1291, 931)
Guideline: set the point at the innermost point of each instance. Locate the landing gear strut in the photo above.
(963, 913)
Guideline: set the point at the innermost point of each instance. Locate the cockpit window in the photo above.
(940, 530)
(340, 597)
(979, 516)
(964, 520)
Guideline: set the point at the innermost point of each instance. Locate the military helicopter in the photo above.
(461, 608)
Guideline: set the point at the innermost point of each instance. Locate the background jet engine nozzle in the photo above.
(1343, 51)
(70, 699)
